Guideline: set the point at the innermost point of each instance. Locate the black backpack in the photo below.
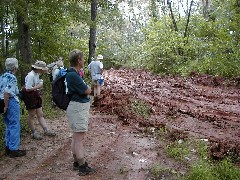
(60, 98)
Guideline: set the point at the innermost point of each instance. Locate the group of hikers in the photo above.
(77, 111)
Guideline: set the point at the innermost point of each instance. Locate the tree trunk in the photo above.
(24, 42)
(172, 16)
(188, 19)
(92, 40)
(3, 37)
(153, 9)
(205, 7)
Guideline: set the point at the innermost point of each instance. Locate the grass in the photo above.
(200, 168)
(162, 173)
(140, 108)
(178, 149)
(207, 170)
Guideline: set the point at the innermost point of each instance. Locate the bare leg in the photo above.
(95, 91)
(41, 119)
(31, 116)
(98, 90)
(77, 146)
(43, 123)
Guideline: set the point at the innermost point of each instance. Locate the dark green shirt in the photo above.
(76, 86)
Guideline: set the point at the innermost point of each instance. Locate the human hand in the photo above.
(5, 110)
(40, 83)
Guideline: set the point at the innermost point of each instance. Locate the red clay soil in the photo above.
(117, 145)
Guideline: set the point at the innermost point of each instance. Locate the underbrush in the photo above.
(193, 154)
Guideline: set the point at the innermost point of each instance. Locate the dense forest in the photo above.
(167, 37)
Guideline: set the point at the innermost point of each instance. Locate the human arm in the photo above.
(76, 85)
(55, 74)
(11, 90)
(6, 99)
(101, 67)
(37, 86)
(32, 83)
(88, 90)
(101, 71)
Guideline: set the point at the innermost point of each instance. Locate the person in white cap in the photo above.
(60, 65)
(11, 109)
(53, 68)
(33, 100)
(96, 70)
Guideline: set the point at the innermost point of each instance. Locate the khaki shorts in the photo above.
(78, 115)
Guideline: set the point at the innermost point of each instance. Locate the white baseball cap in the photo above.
(99, 57)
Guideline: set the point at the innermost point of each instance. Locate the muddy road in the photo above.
(117, 144)
(201, 105)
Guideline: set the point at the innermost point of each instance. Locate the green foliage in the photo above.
(225, 170)
(201, 171)
(140, 108)
(211, 46)
(178, 149)
(162, 173)
(202, 148)
(58, 27)
(204, 170)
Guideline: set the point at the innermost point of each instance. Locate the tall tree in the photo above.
(2, 37)
(205, 8)
(92, 39)
(172, 15)
(188, 19)
(24, 42)
(153, 9)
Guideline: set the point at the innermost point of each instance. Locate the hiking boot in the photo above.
(17, 153)
(85, 170)
(49, 133)
(75, 166)
(36, 136)
(7, 151)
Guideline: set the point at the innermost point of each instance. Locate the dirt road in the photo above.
(117, 144)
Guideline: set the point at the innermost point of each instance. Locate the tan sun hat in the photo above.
(40, 65)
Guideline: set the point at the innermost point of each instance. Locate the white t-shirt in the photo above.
(55, 73)
(32, 79)
(95, 68)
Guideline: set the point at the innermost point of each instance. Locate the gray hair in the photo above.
(11, 64)
(74, 56)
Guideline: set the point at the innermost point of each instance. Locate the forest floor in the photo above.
(122, 142)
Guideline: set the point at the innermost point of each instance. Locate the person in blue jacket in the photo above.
(11, 115)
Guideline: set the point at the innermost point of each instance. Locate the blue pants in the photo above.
(12, 122)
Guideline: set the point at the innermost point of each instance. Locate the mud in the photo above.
(117, 143)
(201, 105)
